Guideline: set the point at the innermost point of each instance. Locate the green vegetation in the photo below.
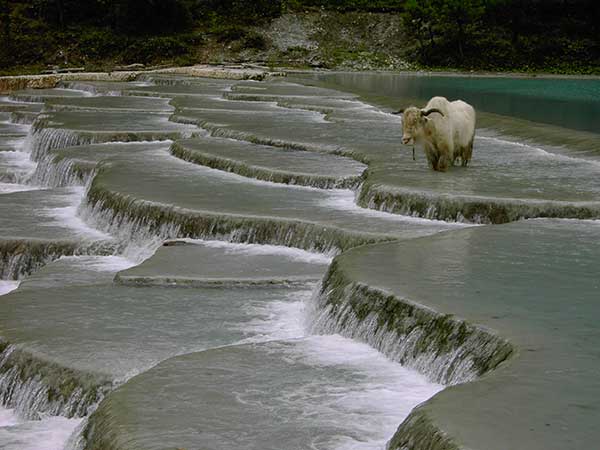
(93, 33)
(347, 5)
(521, 35)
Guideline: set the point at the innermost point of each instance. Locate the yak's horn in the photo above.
(400, 111)
(431, 111)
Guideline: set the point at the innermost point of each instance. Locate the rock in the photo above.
(135, 66)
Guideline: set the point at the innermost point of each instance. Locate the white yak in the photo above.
(444, 129)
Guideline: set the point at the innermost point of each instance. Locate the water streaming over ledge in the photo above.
(447, 350)
(35, 392)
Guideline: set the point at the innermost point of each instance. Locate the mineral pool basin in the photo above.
(115, 120)
(46, 214)
(216, 263)
(149, 176)
(513, 173)
(320, 392)
(535, 283)
(110, 102)
(566, 102)
(70, 313)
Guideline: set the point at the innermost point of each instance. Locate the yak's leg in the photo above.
(457, 155)
(444, 159)
(443, 163)
(467, 153)
(432, 155)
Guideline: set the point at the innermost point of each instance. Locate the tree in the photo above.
(147, 17)
(456, 17)
(418, 17)
(6, 33)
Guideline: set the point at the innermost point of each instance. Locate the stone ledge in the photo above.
(13, 83)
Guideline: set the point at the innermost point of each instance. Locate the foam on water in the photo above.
(378, 402)
(143, 84)
(138, 242)
(8, 418)
(383, 395)
(7, 286)
(111, 263)
(68, 216)
(7, 188)
(277, 320)
(259, 249)
(17, 160)
(50, 433)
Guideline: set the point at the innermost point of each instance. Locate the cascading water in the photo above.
(447, 351)
(27, 384)
(51, 173)
(31, 396)
(44, 139)
(235, 334)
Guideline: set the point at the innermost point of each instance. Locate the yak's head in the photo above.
(413, 122)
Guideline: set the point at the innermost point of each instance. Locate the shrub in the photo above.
(157, 49)
(255, 40)
(100, 44)
(229, 33)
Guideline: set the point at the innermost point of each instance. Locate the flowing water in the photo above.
(166, 274)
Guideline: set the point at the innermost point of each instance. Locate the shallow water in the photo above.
(136, 326)
(103, 304)
(47, 434)
(569, 103)
(536, 283)
(45, 214)
(519, 175)
(203, 189)
(322, 392)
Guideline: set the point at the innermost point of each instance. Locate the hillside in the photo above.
(491, 35)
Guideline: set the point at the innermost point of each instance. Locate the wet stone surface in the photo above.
(109, 298)
(534, 283)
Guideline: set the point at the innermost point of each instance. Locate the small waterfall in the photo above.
(137, 240)
(217, 130)
(26, 98)
(418, 432)
(260, 173)
(54, 172)
(41, 139)
(469, 209)
(23, 117)
(444, 348)
(208, 225)
(153, 80)
(20, 258)
(34, 387)
(85, 87)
